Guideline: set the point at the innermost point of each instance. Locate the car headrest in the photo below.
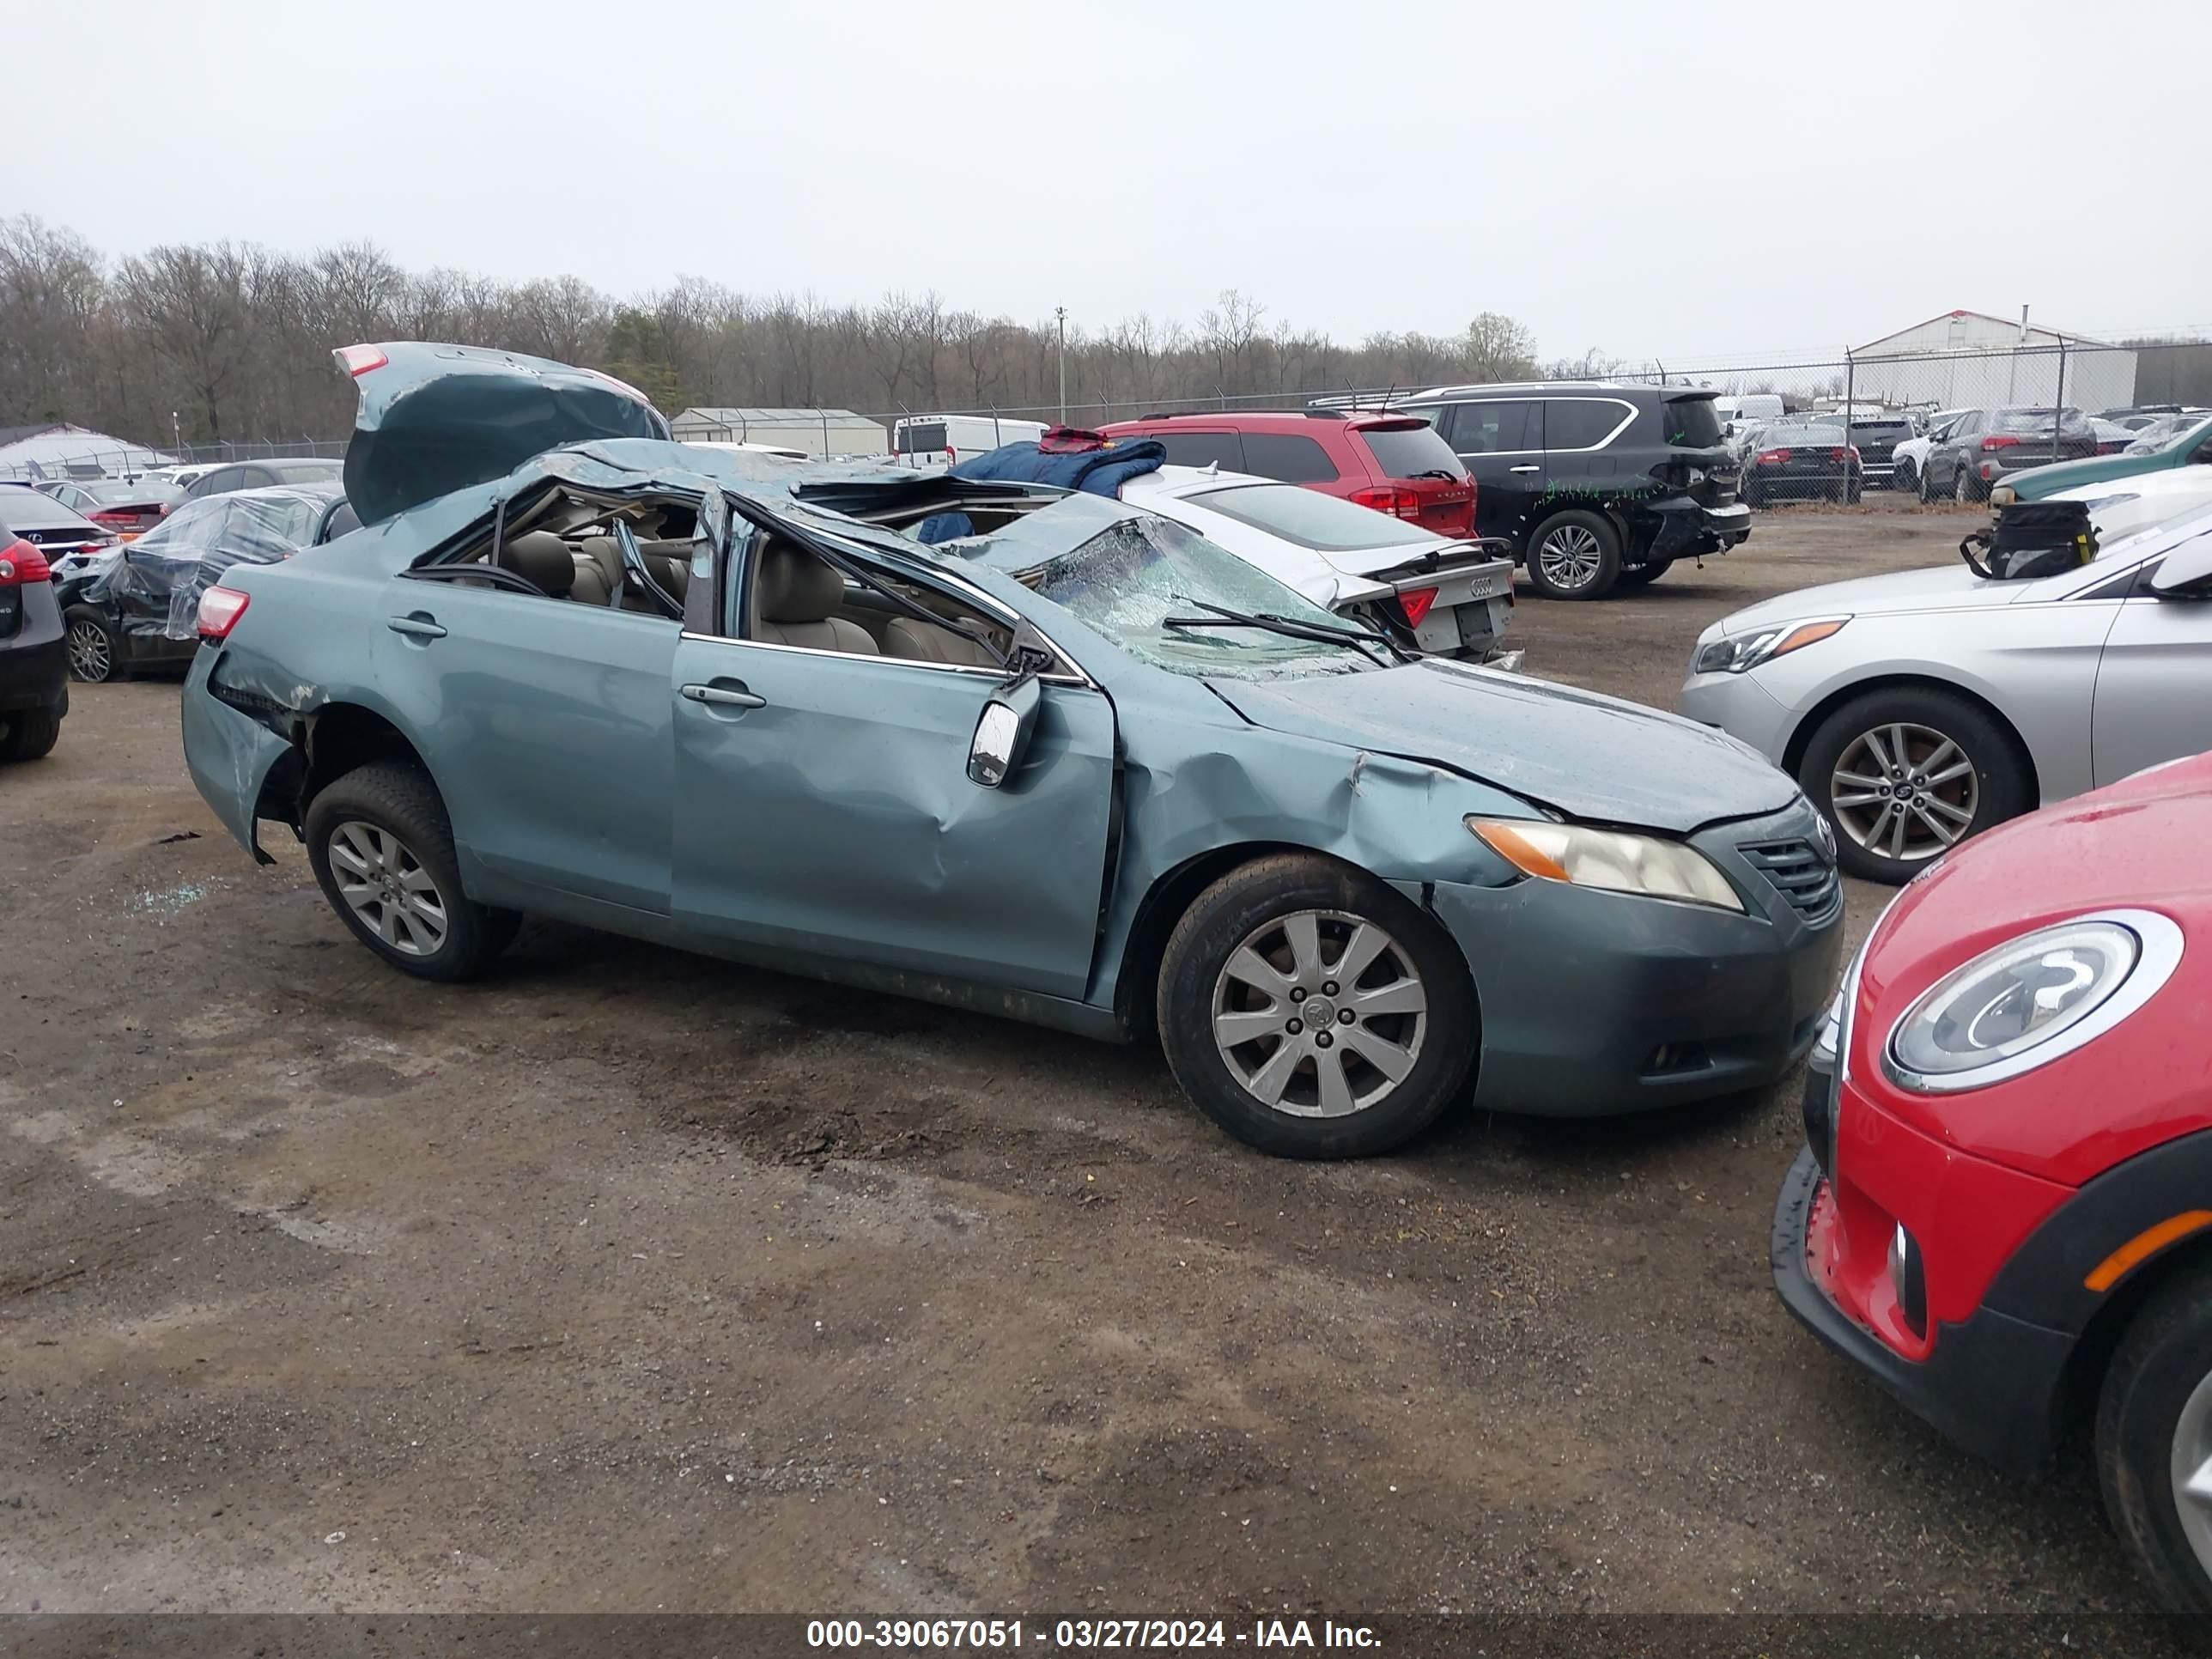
(541, 558)
(795, 587)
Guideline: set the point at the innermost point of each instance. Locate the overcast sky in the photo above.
(1709, 181)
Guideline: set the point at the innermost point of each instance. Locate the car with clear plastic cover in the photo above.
(135, 606)
(1081, 768)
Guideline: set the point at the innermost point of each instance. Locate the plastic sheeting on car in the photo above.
(155, 585)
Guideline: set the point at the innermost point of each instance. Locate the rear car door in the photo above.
(823, 808)
(545, 722)
(2153, 698)
(1500, 441)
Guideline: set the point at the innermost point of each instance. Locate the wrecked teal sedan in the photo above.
(1080, 767)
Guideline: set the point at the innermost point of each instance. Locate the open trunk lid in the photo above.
(434, 419)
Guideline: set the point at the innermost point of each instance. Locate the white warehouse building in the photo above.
(1968, 359)
(815, 431)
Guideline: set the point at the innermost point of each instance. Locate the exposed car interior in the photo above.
(568, 547)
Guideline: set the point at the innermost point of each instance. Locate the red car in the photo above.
(1396, 463)
(2005, 1210)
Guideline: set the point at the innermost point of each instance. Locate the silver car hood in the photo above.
(1947, 587)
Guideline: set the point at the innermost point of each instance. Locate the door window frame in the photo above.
(1627, 420)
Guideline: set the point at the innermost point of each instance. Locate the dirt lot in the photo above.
(634, 1281)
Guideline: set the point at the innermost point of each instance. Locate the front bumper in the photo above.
(34, 659)
(1740, 706)
(1595, 1003)
(1991, 1383)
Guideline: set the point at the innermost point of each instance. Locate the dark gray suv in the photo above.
(1595, 485)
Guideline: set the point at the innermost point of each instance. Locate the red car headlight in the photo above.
(2024, 1003)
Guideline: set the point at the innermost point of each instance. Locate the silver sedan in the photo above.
(1918, 709)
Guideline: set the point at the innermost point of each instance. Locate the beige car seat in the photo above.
(795, 596)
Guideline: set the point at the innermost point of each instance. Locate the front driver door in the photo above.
(2154, 683)
(824, 807)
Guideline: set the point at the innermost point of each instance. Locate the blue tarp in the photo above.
(1100, 472)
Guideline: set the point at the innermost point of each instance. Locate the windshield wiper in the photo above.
(1290, 627)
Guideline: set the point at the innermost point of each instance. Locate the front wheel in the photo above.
(1962, 485)
(95, 655)
(2154, 1441)
(1313, 1012)
(383, 855)
(1573, 555)
(1905, 776)
(1907, 477)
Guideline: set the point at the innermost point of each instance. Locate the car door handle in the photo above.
(1525, 469)
(728, 696)
(416, 627)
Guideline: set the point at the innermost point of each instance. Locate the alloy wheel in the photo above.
(1962, 489)
(2192, 1473)
(1904, 792)
(1570, 557)
(385, 886)
(91, 658)
(1320, 1013)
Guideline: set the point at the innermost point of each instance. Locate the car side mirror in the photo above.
(1002, 731)
(2186, 573)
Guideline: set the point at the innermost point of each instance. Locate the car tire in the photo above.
(1927, 486)
(1963, 490)
(1853, 489)
(29, 734)
(95, 654)
(1643, 575)
(381, 831)
(2155, 1421)
(1287, 918)
(1583, 549)
(1856, 742)
(1907, 476)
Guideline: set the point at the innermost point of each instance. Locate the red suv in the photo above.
(1396, 463)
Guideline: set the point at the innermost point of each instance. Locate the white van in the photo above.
(941, 439)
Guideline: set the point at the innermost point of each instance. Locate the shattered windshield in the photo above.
(1133, 577)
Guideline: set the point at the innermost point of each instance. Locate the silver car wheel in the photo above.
(2193, 1472)
(1904, 792)
(1320, 1013)
(1962, 490)
(90, 658)
(385, 885)
(1570, 557)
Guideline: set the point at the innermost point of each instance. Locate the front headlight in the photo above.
(2027, 1002)
(1607, 858)
(1734, 654)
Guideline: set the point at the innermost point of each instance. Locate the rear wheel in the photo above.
(383, 855)
(1573, 555)
(1905, 775)
(1313, 1012)
(1643, 575)
(2154, 1441)
(95, 655)
(29, 734)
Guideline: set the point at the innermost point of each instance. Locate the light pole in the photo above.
(176, 431)
(1061, 313)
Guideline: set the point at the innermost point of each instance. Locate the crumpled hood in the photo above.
(1592, 757)
(1946, 588)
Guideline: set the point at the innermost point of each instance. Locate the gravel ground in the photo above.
(634, 1281)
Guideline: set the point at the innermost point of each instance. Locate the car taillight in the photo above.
(220, 610)
(116, 515)
(1842, 454)
(1774, 458)
(1417, 605)
(1390, 498)
(2000, 443)
(21, 562)
(358, 360)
